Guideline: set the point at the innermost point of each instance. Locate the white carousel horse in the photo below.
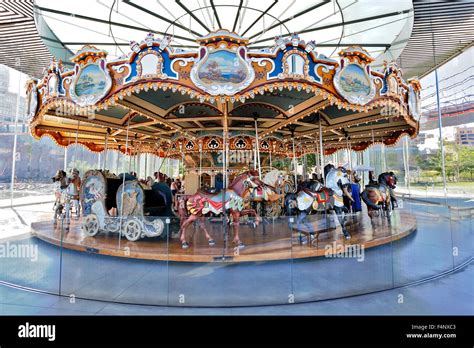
(60, 185)
(280, 180)
(338, 181)
(72, 198)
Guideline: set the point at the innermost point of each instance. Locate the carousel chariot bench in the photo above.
(113, 205)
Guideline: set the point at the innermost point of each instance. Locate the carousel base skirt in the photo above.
(275, 239)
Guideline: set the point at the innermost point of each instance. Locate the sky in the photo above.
(456, 84)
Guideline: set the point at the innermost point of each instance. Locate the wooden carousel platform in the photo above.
(273, 240)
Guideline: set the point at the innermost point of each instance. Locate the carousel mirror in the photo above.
(149, 64)
(295, 64)
(53, 85)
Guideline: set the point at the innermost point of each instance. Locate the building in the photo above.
(8, 105)
(465, 136)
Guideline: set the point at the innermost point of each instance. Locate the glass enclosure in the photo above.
(428, 234)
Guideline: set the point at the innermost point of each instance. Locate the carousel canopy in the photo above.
(164, 100)
(441, 30)
(167, 101)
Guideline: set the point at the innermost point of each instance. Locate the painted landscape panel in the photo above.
(222, 67)
(91, 81)
(353, 80)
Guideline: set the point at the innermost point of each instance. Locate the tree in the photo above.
(458, 159)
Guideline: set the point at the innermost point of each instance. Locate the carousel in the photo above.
(241, 122)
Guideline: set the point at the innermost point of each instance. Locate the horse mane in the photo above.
(382, 179)
(271, 177)
(327, 169)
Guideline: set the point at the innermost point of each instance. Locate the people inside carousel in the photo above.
(173, 187)
(355, 186)
(179, 185)
(149, 181)
(176, 188)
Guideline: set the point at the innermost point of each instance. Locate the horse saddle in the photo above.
(258, 191)
(317, 194)
(213, 197)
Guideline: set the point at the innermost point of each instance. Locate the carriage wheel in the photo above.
(132, 230)
(91, 225)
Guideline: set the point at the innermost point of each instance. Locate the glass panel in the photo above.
(146, 260)
(427, 251)
(228, 275)
(331, 267)
(461, 229)
(27, 259)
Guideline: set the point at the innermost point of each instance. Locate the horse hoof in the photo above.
(212, 242)
(239, 244)
(184, 245)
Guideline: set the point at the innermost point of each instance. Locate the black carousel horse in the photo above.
(313, 196)
(381, 196)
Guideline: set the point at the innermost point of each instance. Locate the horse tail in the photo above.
(366, 199)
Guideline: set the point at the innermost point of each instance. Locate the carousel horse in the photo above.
(268, 193)
(60, 185)
(183, 216)
(231, 199)
(280, 180)
(313, 196)
(72, 191)
(381, 196)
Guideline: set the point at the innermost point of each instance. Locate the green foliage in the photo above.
(459, 162)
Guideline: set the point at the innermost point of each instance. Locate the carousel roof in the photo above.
(441, 30)
(166, 100)
(379, 27)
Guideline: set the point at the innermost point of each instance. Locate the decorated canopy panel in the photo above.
(167, 101)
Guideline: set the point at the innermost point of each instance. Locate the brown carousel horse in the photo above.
(380, 196)
(230, 199)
